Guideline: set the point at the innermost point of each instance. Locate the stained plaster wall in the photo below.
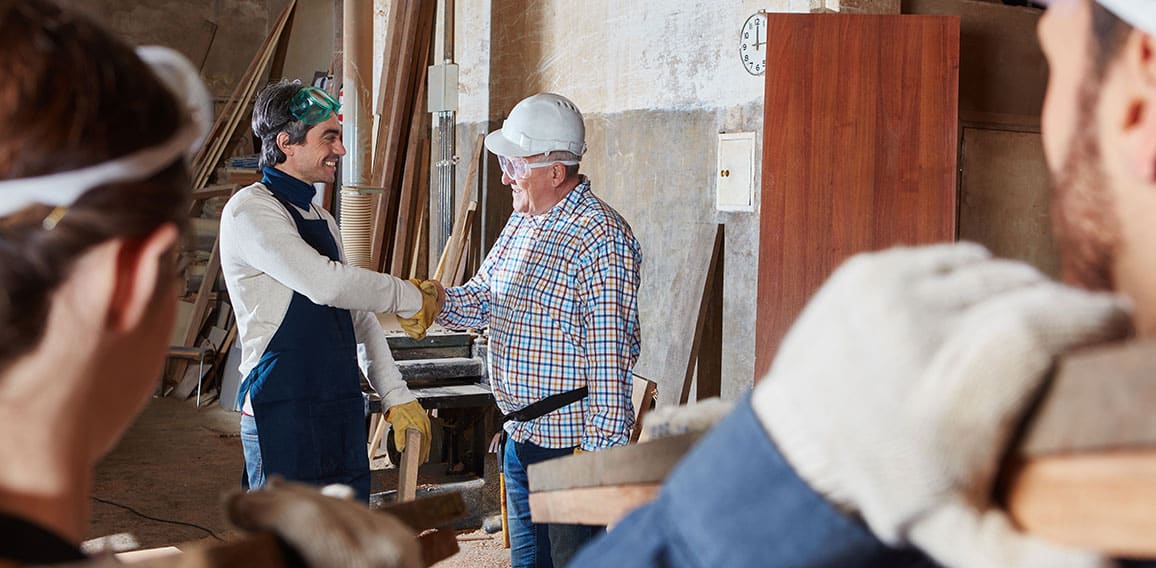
(657, 82)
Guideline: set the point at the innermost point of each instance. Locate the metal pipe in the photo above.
(357, 108)
(447, 159)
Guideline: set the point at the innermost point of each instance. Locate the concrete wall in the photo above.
(221, 37)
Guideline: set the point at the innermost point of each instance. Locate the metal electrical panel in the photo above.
(735, 175)
(443, 88)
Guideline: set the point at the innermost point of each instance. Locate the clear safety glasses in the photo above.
(312, 105)
(519, 168)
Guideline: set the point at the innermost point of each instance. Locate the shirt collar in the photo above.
(572, 199)
(288, 187)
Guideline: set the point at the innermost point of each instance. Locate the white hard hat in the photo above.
(1141, 15)
(539, 124)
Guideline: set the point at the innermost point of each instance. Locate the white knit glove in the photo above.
(895, 392)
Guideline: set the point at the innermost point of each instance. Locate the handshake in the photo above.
(433, 296)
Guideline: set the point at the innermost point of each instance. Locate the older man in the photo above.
(876, 436)
(558, 292)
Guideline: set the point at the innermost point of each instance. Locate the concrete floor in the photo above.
(165, 481)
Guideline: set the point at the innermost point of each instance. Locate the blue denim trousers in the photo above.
(532, 544)
(254, 470)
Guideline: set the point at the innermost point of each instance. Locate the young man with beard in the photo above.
(876, 436)
(305, 317)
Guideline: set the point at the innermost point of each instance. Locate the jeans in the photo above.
(532, 544)
(252, 448)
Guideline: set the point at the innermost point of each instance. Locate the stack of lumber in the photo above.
(195, 328)
(401, 150)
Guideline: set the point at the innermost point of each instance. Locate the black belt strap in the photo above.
(546, 405)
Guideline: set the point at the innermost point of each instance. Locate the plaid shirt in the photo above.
(559, 292)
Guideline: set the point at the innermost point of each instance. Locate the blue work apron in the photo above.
(306, 389)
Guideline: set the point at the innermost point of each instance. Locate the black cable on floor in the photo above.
(151, 518)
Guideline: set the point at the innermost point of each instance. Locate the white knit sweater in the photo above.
(265, 260)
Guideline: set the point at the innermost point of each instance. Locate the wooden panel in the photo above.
(1004, 194)
(859, 149)
(1002, 71)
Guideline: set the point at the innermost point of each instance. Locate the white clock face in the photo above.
(753, 44)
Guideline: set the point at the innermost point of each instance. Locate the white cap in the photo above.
(1141, 14)
(539, 124)
(62, 189)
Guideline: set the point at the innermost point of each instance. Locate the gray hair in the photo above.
(564, 156)
(271, 117)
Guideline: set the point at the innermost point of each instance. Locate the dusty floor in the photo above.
(164, 482)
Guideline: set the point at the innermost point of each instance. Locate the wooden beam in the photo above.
(590, 505)
(647, 462)
(713, 281)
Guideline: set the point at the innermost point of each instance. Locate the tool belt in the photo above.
(546, 405)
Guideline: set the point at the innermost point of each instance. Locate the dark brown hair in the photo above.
(73, 96)
(1109, 33)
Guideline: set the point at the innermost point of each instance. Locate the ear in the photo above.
(557, 174)
(283, 143)
(1140, 113)
(141, 272)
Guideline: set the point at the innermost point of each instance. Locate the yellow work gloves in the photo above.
(410, 415)
(431, 306)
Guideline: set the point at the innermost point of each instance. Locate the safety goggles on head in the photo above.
(62, 189)
(519, 168)
(312, 105)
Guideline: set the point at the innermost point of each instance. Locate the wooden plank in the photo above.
(709, 290)
(416, 168)
(1100, 399)
(590, 505)
(200, 306)
(642, 396)
(407, 470)
(223, 129)
(895, 79)
(647, 462)
(449, 254)
(1100, 501)
(403, 79)
(462, 250)
(437, 545)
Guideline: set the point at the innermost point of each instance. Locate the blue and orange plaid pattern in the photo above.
(559, 292)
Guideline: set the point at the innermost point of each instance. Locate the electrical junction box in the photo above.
(443, 88)
(735, 174)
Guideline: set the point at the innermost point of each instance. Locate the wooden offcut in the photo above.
(647, 462)
(598, 506)
(407, 470)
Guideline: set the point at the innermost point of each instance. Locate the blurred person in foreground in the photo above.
(94, 191)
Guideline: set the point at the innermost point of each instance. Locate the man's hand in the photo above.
(410, 415)
(896, 391)
(326, 531)
(433, 297)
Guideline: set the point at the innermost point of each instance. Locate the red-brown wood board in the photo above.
(859, 150)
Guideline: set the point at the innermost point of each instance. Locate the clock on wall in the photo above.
(753, 43)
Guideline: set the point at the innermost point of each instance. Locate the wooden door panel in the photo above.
(859, 149)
